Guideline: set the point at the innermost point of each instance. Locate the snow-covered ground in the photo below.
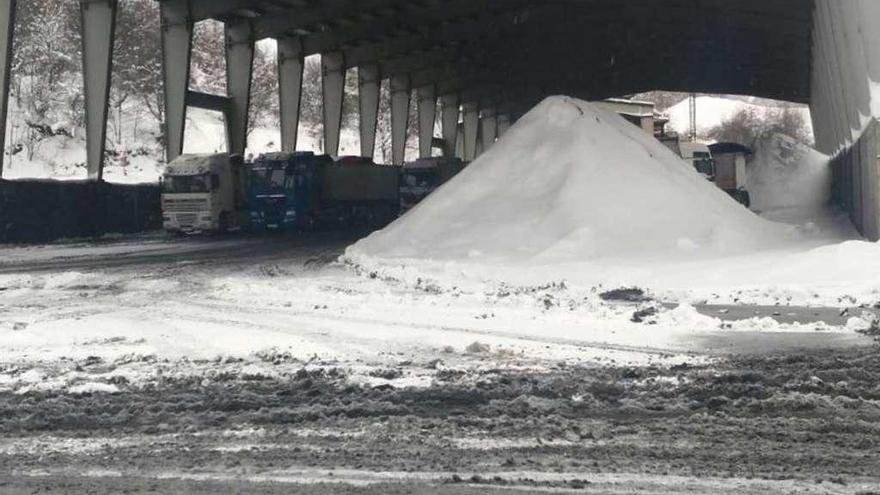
(510, 262)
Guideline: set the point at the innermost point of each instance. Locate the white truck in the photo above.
(698, 155)
(721, 163)
(204, 193)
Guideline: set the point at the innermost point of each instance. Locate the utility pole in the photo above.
(692, 104)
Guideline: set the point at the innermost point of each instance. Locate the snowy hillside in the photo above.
(713, 110)
(139, 155)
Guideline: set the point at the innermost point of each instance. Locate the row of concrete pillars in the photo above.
(99, 25)
(477, 131)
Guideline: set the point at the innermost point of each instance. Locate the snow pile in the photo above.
(572, 182)
(788, 174)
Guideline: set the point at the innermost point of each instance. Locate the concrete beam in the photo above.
(177, 31)
(449, 108)
(400, 95)
(207, 101)
(290, 78)
(488, 128)
(239, 73)
(303, 20)
(471, 119)
(333, 87)
(98, 31)
(7, 28)
(427, 117)
(369, 83)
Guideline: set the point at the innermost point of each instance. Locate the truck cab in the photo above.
(202, 193)
(700, 157)
(421, 177)
(284, 190)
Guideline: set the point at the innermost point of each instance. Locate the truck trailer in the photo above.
(724, 164)
(302, 191)
(204, 193)
(423, 176)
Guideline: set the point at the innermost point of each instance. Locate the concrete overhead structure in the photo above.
(504, 56)
(845, 104)
(7, 27)
(369, 85)
(290, 77)
(99, 26)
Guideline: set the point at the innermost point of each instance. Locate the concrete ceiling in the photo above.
(515, 52)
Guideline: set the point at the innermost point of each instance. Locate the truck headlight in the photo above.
(290, 213)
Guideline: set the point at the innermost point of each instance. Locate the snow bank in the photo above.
(787, 174)
(572, 182)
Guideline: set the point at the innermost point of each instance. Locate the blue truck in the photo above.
(303, 191)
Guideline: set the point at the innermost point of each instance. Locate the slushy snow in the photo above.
(573, 182)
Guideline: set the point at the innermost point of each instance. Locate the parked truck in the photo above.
(730, 169)
(204, 193)
(302, 191)
(421, 177)
(721, 163)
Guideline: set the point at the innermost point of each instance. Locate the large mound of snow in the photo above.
(572, 182)
(786, 174)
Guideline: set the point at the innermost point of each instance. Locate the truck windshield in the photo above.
(269, 178)
(187, 184)
(420, 178)
(704, 163)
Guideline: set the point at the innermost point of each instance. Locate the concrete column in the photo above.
(369, 82)
(503, 124)
(427, 117)
(290, 77)
(471, 128)
(459, 142)
(449, 122)
(177, 28)
(98, 29)
(488, 129)
(239, 73)
(399, 117)
(7, 25)
(333, 87)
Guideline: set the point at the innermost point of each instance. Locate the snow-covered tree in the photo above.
(46, 72)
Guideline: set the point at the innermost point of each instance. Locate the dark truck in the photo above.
(303, 191)
(421, 177)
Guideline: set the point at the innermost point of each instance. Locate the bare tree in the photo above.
(748, 125)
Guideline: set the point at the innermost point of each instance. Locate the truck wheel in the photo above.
(223, 223)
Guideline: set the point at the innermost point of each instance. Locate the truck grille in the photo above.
(186, 219)
(184, 205)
